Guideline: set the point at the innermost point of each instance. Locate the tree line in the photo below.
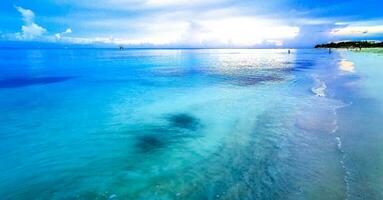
(351, 44)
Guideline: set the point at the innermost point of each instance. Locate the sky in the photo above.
(189, 23)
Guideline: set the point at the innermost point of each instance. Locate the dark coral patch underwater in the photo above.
(185, 121)
(28, 81)
(179, 128)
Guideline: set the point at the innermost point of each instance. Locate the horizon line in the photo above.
(154, 48)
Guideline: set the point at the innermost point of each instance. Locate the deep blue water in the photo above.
(190, 124)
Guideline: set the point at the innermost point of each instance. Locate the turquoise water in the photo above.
(190, 124)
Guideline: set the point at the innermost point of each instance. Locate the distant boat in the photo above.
(121, 47)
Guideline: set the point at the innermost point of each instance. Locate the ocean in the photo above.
(191, 124)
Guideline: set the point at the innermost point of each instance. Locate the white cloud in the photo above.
(358, 30)
(67, 31)
(163, 3)
(134, 5)
(231, 31)
(28, 15)
(214, 27)
(178, 30)
(242, 31)
(30, 29)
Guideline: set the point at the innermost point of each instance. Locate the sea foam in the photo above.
(319, 88)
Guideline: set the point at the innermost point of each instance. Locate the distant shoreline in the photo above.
(351, 45)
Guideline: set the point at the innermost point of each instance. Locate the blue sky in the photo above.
(189, 23)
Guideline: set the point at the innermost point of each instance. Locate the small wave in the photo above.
(342, 163)
(339, 144)
(335, 129)
(335, 122)
(335, 125)
(320, 87)
(340, 148)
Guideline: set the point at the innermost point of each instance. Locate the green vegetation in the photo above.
(352, 44)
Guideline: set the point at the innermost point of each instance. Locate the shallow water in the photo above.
(190, 124)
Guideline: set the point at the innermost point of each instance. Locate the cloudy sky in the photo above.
(190, 23)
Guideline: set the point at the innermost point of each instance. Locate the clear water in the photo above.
(190, 124)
